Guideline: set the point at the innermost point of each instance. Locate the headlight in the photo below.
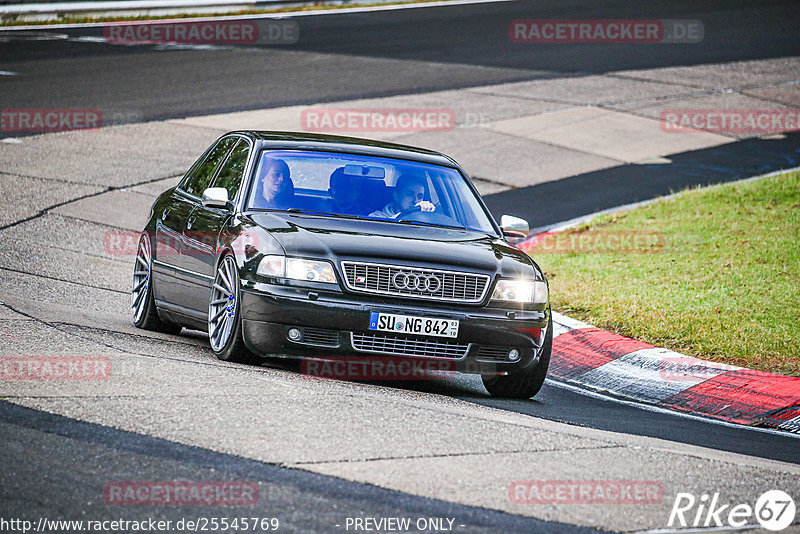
(297, 269)
(274, 266)
(312, 271)
(531, 292)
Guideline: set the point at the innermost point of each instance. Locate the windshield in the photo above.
(367, 187)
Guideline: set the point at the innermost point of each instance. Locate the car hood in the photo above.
(338, 239)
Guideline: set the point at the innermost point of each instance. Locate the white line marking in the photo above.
(659, 409)
(7, 73)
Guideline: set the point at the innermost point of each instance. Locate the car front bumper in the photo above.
(334, 325)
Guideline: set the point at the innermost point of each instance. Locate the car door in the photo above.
(168, 247)
(174, 278)
(205, 223)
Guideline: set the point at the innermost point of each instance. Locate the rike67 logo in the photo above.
(774, 510)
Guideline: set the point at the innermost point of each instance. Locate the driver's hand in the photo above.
(424, 205)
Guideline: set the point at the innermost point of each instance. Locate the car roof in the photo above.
(353, 145)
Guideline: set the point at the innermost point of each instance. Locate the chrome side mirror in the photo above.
(215, 197)
(514, 227)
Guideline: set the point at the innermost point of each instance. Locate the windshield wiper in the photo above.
(425, 223)
(323, 213)
(314, 212)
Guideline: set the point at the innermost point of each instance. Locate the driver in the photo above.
(409, 191)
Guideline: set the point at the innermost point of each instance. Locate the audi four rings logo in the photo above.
(416, 282)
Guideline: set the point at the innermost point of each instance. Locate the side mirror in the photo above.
(514, 227)
(216, 197)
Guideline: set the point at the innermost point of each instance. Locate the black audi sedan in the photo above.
(308, 246)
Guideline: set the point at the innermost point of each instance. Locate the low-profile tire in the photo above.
(224, 316)
(526, 383)
(143, 304)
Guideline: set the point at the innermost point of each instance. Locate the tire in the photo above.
(224, 317)
(526, 383)
(143, 304)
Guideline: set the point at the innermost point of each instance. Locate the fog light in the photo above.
(295, 334)
(513, 355)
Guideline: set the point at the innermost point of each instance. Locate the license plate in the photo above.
(410, 324)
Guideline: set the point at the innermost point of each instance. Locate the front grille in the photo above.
(407, 346)
(413, 282)
(493, 352)
(320, 336)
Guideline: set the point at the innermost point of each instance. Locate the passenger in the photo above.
(409, 191)
(276, 189)
(345, 191)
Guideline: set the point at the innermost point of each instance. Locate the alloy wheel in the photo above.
(141, 279)
(222, 307)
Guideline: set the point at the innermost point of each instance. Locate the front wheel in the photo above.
(224, 317)
(526, 383)
(143, 304)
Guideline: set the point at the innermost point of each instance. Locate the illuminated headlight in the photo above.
(311, 271)
(297, 269)
(531, 292)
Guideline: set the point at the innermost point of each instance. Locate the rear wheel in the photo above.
(224, 317)
(526, 383)
(143, 304)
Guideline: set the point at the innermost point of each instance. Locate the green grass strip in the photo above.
(712, 272)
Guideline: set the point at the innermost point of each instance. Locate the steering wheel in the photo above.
(408, 211)
(415, 213)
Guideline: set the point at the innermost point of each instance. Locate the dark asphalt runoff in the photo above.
(561, 200)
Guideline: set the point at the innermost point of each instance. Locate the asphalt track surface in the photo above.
(81, 457)
(384, 53)
(437, 48)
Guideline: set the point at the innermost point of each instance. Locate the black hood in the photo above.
(337, 239)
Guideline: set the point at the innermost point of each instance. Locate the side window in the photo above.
(201, 175)
(230, 175)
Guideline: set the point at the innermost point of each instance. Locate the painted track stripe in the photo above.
(788, 419)
(583, 349)
(640, 375)
(743, 396)
(655, 408)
